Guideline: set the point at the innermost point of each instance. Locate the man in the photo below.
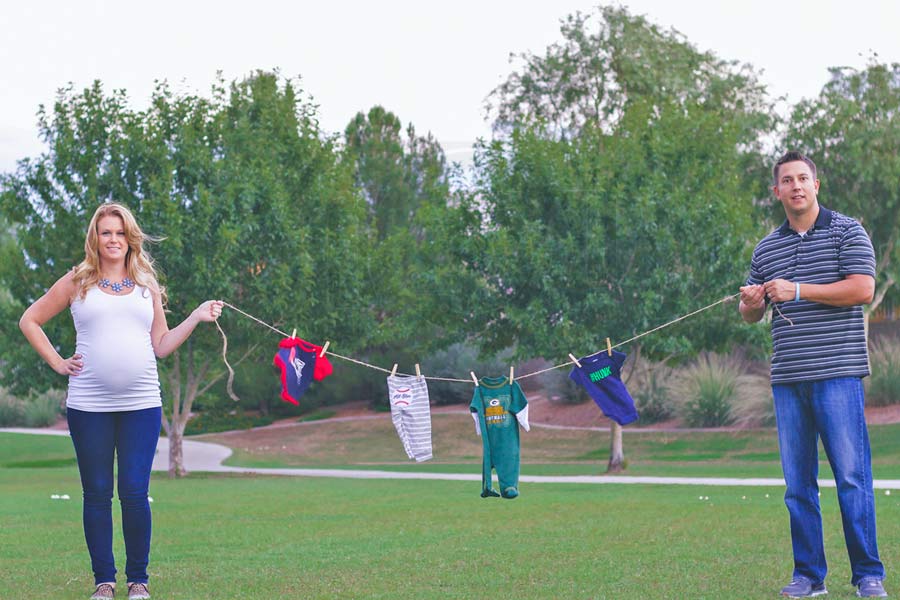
(818, 269)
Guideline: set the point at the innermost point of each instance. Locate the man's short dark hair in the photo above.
(793, 156)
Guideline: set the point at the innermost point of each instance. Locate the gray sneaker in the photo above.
(869, 587)
(803, 588)
(138, 591)
(104, 591)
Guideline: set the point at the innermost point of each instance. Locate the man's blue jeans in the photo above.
(833, 410)
(132, 436)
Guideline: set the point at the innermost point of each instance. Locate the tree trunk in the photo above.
(616, 451)
(184, 386)
(176, 454)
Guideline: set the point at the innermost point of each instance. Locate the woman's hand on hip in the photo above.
(70, 366)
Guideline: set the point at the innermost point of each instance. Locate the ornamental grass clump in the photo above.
(653, 398)
(716, 391)
(12, 410)
(35, 410)
(43, 409)
(884, 382)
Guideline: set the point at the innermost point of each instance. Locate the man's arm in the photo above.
(853, 290)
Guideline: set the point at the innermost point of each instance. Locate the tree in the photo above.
(250, 198)
(852, 131)
(617, 196)
(404, 179)
(395, 175)
(609, 59)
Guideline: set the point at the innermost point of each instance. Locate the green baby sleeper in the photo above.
(494, 403)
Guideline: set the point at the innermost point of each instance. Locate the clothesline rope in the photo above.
(334, 354)
(432, 378)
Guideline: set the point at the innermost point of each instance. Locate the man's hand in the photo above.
(753, 303)
(753, 296)
(780, 290)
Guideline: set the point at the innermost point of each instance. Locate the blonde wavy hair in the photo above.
(138, 262)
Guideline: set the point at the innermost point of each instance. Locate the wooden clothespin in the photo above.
(574, 360)
(512, 374)
(418, 370)
(293, 333)
(475, 379)
(394, 370)
(324, 348)
(608, 347)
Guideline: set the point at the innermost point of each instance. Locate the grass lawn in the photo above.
(373, 443)
(268, 537)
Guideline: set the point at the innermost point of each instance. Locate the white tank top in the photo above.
(113, 338)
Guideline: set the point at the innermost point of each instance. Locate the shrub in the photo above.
(754, 406)
(12, 410)
(710, 391)
(455, 362)
(36, 410)
(884, 382)
(42, 410)
(653, 399)
(559, 388)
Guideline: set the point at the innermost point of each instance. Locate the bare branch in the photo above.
(879, 296)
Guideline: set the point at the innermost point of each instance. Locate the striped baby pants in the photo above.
(411, 414)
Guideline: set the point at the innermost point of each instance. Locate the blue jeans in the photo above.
(97, 437)
(833, 410)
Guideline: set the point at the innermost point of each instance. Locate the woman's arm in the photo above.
(166, 341)
(45, 308)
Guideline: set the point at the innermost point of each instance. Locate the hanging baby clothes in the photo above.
(599, 375)
(494, 403)
(300, 364)
(411, 414)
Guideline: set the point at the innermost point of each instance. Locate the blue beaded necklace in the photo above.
(117, 286)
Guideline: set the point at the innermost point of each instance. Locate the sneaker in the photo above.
(104, 591)
(138, 591)
(803, 588)
(869, 587)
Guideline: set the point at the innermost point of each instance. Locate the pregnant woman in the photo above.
(113, 404)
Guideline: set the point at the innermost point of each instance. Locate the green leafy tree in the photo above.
(404, 179)
(396, 175)
(617, 196)
(852, 131)
(608, 59)
(250, 198)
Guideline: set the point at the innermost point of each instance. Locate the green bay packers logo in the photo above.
(494, 414)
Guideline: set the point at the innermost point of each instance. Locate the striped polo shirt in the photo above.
(824, 341)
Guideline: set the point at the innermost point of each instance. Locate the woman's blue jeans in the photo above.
(132, 437)
(833, 410)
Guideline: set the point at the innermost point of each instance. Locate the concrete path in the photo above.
(206, 456)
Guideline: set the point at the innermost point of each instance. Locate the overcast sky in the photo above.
(430, 63)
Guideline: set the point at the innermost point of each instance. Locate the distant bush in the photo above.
(559, 388)
(884, 382)
(36, 410)
(753, 406)
(42, 410)
(455, 362)
(716, 391)
(653, 399)
(12, 410)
